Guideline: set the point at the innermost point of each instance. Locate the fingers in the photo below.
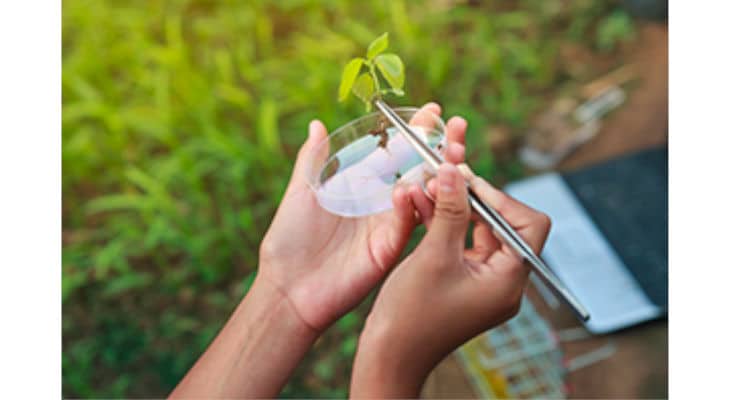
(425, 115)
(455, 137)
(483, 241)
(451, 214)
(529, 223)
(404, 219)
(455, 153)
(456, 131)
(532, 225)
(423, 204)
(432, 107)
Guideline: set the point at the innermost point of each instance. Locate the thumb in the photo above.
(452, 212)
(312, 154)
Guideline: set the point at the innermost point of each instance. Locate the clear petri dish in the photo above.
(356, 168)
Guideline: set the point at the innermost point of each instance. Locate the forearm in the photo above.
(254, 353)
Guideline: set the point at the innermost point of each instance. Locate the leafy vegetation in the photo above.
(367, 86)
(614, 29)
(180, 123)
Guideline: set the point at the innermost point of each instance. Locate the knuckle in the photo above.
(452, 211)
(434, 262)
(515, 271)
(466, 172)
(508, 310)
(512, 305)
(480, 185)
(544, 221)
(268, 249)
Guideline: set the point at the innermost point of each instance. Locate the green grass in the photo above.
(180, 123)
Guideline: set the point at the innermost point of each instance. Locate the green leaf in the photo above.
(391, 66)
(349, 74)
(349, 346)
(613, 29)
(152, 186)
(127, 282)
(348, 322)
(115, 202)
(70, 282)
(397, 92)
(364, 88)
(378, 46)
(234, 95)
(324, 369)
(268, 127)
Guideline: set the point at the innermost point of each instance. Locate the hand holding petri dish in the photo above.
(356, 167)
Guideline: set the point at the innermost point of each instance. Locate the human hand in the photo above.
(325, 264)
(314, 267)
(443, 294)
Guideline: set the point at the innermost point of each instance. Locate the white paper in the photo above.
(582, 257)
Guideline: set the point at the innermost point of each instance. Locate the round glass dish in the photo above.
(356, 167)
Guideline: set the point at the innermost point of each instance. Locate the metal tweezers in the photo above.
(488, 214)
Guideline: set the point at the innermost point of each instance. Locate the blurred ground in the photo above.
(642, 121)
(639, 367)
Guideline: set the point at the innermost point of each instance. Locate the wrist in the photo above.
(254, 353)
(267, 303)
(273, 340)
(388, 363)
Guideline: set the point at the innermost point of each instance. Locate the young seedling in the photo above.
(367, 84)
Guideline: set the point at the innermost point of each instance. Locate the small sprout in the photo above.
(380, 131)
(367, 84)
(383, 140)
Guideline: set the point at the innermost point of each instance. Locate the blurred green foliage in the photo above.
(614, 29)
(180, 123)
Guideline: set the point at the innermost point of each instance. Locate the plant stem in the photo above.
(371, 69)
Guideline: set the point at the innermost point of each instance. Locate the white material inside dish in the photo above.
(365, 173)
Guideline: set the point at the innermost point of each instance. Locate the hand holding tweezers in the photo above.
(488, 214)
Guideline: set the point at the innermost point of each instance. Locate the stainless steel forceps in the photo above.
(488, 214)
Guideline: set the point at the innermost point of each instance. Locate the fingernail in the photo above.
(397, 191)
(433, 104)
(447, 177)
(432, 188)
(311, 127)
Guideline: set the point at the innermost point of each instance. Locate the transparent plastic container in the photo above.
(356, 168)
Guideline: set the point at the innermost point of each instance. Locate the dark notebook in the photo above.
(627, 199)
(608, 243)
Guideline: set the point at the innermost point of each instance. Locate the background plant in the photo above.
(180, 123)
